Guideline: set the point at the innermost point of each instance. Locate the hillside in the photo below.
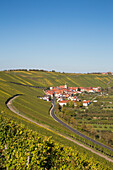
(22, 148)
(22, 82)
(47, 79)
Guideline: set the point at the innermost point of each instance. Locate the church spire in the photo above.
(65, 85)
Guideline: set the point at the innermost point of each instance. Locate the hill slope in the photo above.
(47, 79)
(22, 148)
(38, 110)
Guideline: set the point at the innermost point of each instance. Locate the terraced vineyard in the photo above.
(22, 82)
(47, 79)
(22, 148)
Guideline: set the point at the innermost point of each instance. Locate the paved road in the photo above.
(75, 131)
(13, 109)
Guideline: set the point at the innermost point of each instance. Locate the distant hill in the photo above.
(47, 79)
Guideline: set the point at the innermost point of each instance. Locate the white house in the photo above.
(51, 88)
(46, 98)
(63, 102)
(91, 91)
(94, 101)
(86, 103)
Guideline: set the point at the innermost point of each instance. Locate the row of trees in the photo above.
(30, 70)
(68, 114)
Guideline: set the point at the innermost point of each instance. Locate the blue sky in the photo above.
(64, 35)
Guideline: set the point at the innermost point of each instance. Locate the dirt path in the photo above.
(109, 82)
(13, 109)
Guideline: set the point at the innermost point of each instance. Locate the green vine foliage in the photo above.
(21, 148)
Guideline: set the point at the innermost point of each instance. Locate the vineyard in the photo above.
(47, 79)
(28, 104)
(22, 148)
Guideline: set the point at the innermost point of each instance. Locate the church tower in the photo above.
(65, 85)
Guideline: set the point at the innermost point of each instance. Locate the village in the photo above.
(65, 94)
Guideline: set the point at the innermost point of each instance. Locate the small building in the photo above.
(86, 103)
(90, 91)
(51, 88)
(46, 98)
(72, 98)
(94, 101)
(63, 102)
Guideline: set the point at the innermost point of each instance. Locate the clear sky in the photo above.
(64, 35)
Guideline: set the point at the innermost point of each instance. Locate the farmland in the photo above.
(29, 105)
(96, 120)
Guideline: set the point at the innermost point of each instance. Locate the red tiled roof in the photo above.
(61, 86)
(64, 101)
(86, 101)
(73, 88)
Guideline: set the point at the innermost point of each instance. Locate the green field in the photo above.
(28, 104)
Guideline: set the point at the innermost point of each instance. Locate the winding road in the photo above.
(75, 131)
(13, 109)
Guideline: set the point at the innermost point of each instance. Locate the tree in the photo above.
(93, 132)
(83, 127)
(63, 109)
(79, 104)
(78, 89)
(61, 114)
(57, 107)
(71, 104)
(73, 122)
(49, 98)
